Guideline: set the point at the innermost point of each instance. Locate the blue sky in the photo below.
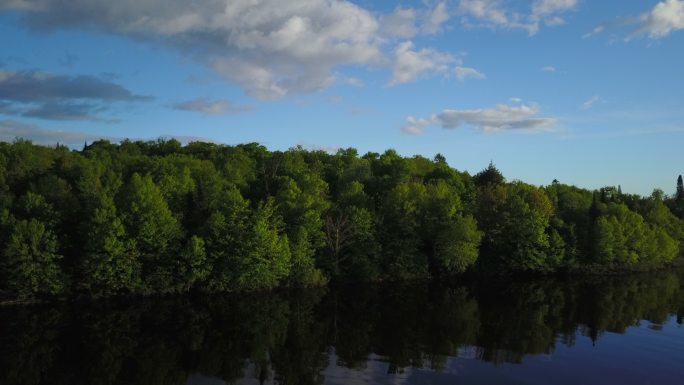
(587, 92)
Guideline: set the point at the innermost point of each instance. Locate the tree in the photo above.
(153, 228)
(457, 245)
(677, 204)
(489, 176)
(400, 235)
(266, 258)
(108, 262)
(30, 264)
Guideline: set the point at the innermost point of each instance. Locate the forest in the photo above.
(157, 217)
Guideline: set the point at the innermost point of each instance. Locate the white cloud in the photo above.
(494, 14)
(549, 7)
(211, 107)
(400, 23)
(413, 130)
(516, 100)
(463, 73)
(595, 31)
(436, 18)
(416, 126)
(490, 11)
(270, 48)
(354, 82)
(665, 18)
(549, 69)
(554, 21)
(500, 118)
(409, 22)
(409, 64)
(590, 102)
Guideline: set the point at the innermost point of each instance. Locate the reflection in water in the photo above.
(425, 333)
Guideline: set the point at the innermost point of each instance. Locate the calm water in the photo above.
(616, 330)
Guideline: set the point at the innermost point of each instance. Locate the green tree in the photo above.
(490, 176)
(154, 229)
(515, 221)
(30, 264)
(457, 245)
(402, 256)
(266, 258)
(108, 262)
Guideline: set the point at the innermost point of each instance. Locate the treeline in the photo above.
(157, 217)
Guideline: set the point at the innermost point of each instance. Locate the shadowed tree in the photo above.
(30, 263)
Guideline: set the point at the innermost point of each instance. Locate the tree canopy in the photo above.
(157, 217)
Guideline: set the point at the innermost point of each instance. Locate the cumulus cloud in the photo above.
(400, 23)
(59, 97)
(211, 107)
(270, 48)
(495, 14)
(436, 17)
(500, 118)
(409, 63)
(415, 126)
(463, 73)
(542, 8)
(409, 22)
(590, 102)
(665, 18)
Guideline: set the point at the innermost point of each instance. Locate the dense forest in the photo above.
(158, 217)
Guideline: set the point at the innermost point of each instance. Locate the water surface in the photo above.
(597, 330)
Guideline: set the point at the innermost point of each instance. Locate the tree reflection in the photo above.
(288, 337)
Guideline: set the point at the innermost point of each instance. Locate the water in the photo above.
(601, 330)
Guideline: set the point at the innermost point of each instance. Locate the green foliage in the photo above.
(30, 262)
(192, 266)
(266, 257)
(158, 217)
(457, 245)
(515, 219)
(147, 216)
(110, 262)
(491, 176)
(154, 231)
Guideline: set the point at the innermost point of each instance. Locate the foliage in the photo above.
(158, 217)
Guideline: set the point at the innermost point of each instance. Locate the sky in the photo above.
(589, 93)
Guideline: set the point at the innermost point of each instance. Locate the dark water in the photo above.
(615, 330)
